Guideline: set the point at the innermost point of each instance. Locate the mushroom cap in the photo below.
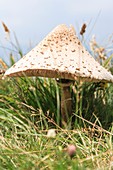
(60, 55)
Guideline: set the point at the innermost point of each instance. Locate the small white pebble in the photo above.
(51, 133)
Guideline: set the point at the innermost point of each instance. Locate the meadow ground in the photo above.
(30, 107)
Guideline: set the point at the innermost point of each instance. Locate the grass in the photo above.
(24, 146)
(30, 107)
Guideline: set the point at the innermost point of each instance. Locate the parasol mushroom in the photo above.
(61, 55)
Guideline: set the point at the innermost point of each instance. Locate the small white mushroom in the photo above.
(51, 133)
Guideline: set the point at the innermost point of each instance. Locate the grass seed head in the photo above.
(83, 29)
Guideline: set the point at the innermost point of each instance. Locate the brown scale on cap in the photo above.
(60, 55)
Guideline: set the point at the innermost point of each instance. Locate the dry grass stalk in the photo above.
(3, 67)
(7, 31)
(99, 51)
(5, 28)
(3, 64)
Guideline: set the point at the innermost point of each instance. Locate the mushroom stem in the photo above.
(66, 101)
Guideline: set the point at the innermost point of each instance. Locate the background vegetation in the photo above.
(30, 107)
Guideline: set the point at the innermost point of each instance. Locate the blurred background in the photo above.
(30, 21)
